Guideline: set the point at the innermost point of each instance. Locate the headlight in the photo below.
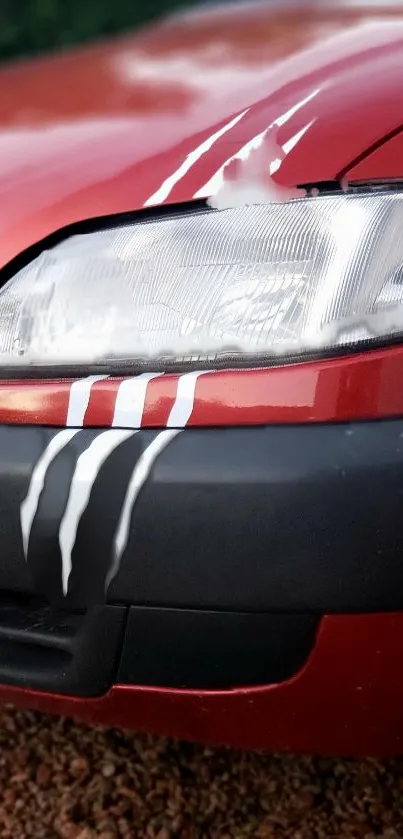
(245, 283)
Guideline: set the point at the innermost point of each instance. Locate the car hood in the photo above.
(154, 118)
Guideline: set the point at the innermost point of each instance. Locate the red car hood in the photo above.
(153, 118)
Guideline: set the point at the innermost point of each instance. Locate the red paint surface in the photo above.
(348, 699)
(98, 130)
(363, 386)
(386, 162)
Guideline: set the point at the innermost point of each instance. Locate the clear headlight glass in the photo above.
(252, 283)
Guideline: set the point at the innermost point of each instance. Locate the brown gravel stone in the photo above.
(63, 780)
(43, 774)
(79, 767)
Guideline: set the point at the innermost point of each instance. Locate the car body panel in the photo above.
(346, 700)
(359, 387)
(384, 163)
(103, 130)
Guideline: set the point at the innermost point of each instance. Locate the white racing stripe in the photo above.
(163, 191)
(216, 182)
(80, 392)
(180, 414)
(85, 474)
(185, 397)
(292, 142)
(130, 401)
(139, 476)
(29, 506)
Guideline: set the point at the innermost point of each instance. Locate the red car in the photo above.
(201, 395)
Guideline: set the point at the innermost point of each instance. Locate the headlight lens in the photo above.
(251, 283)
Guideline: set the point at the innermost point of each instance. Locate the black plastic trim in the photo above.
(265, 519)
(276, 519)
(130, 367)
(42, 648)
(213, 650)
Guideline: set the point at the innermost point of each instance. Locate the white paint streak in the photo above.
(30, 504)
(179, 416)
(86, 471)
(217, 181)
(139, 476)
(292, 142)
(286, 116)
(79, 399)
(130, 401)
(274, 165)
(164, 190)
(183, 406)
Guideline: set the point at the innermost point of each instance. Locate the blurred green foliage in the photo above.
(32, 26)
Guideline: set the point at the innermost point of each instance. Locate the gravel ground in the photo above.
(62, 779)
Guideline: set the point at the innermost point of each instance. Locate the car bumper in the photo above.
(303, 519)
(234, 543)
(234, 583)
(346, 700)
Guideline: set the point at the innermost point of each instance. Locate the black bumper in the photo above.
(237, 541)
(275, 519)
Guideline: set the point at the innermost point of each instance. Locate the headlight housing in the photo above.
(208, 286)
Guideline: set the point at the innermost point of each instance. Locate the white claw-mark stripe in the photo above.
(179, 416)
(30, 504)
(166, 187)
(130, 401)
(292, 142)
(185, 396)
(85, 474)
(139, 476)
(79, 398)
(129, 407)
(215, 183)
(217, 180)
